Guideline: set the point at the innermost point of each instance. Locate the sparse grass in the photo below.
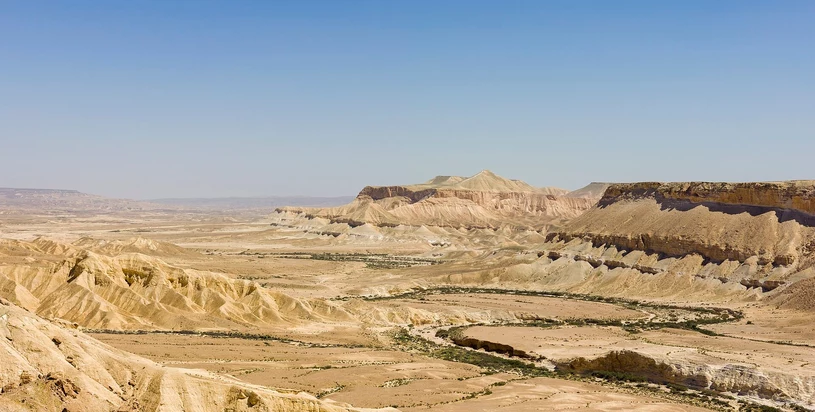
(329, 391)
(687, 318)
(702, 315)
(223, 334)
(393, 383)
(745, 406)
(612, 376)
(453, 333)
(371, 260)
(490, 363)
(694, 318)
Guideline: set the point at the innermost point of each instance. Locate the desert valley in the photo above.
(456, 294)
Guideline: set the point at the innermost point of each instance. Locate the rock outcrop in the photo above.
(484, 200)
(110, 285)
(740, 378)
(490, 346)
(48, 367)
(756, 234)
(785, 197)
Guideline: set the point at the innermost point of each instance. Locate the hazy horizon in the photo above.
(348, 196)
(153, 99)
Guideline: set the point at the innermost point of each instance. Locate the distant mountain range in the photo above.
(232, 203)
(55, 200)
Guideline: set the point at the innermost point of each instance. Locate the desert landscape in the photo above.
(407, 205)
(457, 294)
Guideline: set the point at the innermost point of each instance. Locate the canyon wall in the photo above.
(484, 200)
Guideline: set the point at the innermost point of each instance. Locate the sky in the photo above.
(183, 98)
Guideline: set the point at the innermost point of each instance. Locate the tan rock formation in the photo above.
(763, 232)
(484, 200)
(48, 367)
(132, 290)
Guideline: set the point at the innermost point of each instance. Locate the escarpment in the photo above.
(792, 199)
(384, 192)
(757, 234)
(484, 200)
(673, 369)
(635, 365)
(490, 346)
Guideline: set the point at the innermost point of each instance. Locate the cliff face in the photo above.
(384, 192)
(792, 196)
(481, 201)
(676, 368)
(756, 233)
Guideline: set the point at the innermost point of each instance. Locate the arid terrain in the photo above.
(458, 294)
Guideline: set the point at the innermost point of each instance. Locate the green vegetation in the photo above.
(612, 376)
(694, 317)
(329, 391)
(666, 316)
(745, 406)
(490, 363)
(371, 260)
(703, 315)
(456, 332)
(222, 334)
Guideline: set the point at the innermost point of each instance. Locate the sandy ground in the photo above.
(564, 343)
(544, 394)
(359, 368)
(368, 377)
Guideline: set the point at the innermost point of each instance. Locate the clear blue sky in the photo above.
(146, 99)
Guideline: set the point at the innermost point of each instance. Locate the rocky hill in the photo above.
(126, 285)
(752, 234)
(484, 200)
(57, 201)
(51, 366)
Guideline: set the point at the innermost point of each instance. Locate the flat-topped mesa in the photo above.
(383, 192)
(484, 200)
(797, 195)
(767, 225)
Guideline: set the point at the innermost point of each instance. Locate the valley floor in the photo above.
(380, 321)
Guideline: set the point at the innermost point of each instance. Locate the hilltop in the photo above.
(53, 366)
(731, 237)
(484, 200)
(54, 201)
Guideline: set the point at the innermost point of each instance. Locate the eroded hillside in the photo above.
(756, 234)
(51, 366)
(484, 200)
(708, 286)
(125, 285)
